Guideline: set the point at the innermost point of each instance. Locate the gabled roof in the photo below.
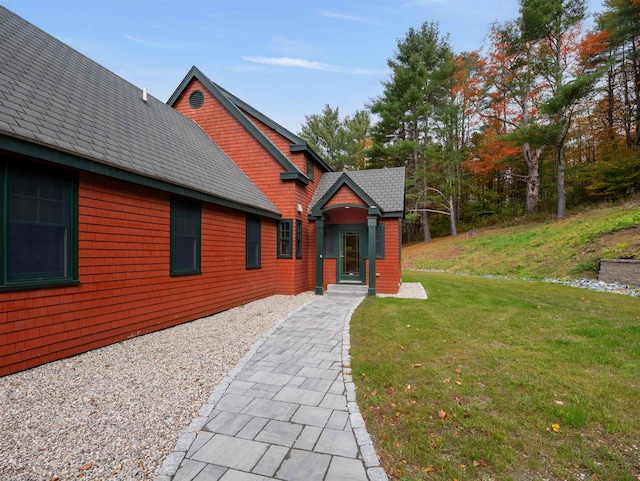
(57, 104)
(383, 187)
(237, 109)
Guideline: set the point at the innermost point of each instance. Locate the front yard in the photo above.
(500, 380)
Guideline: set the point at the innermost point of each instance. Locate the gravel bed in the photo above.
(115, 413)
(592, 284)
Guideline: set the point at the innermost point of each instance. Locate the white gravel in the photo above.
(115, 413)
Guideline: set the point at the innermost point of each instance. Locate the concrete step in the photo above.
(347, 289)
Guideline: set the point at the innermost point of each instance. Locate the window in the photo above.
(310, 168)
(284, 238)
(380, 241)
(253, 242)
(298, 239)
(185, 237)
(39, 226)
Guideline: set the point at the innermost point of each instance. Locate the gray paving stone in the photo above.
(251, 430)
(313, 384)
(228, 423)
(188, 470)
(308, 362)
(233, 403)
(266, 408)
(171, 464)
(287, 368)
(369, 456)
(377, 474)
(329, 356)
(340, 443)
(211, 473)
(356, 420)
(362, 436)
(343, 469)
(334, 401)
(338, 420)
(260, 393)
(312, 416)
(267, 387)
(232, 475)
(230, 452)
(280, 433)
(337, 387)
(308, 438)
(318, 373)
(264, 377)
(296, 381)
(201, 438)
(303, 465)
(300, 396)
(271, 461)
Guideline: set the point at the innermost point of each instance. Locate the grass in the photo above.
(500, 380)
(568, 248)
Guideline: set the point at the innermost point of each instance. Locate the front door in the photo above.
(350, 267)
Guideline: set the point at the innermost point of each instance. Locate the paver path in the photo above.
(287, 411)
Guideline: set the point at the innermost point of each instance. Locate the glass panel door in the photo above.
(350, 256)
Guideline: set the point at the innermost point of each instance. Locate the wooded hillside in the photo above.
(544, 118)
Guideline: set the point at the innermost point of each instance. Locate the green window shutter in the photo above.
(285, 240)
(253, 235)
(185, 237)
(39, 238)
(298, 239)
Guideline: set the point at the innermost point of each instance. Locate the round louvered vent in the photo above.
(196, 99)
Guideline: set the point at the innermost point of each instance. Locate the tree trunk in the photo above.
(562, 195)
(532, 160)
(452, 218)
(425, 227)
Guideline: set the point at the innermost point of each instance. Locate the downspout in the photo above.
(319, 251)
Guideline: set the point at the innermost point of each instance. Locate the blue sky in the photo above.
(287, 58)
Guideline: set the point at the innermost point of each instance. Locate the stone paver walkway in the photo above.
(286, 412)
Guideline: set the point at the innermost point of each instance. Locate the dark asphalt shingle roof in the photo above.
(384, 186)
(54, 96)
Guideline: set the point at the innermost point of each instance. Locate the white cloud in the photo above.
(348, 18)
(143, 42)
(293, 62)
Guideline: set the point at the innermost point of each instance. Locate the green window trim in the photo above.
(298, 239)
(38, 207)
(253, 242)
(186, 233)
(285, 240)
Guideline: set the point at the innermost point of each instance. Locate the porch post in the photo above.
(372, 222)
(319, 251)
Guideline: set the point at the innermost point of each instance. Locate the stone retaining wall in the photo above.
(622, 271)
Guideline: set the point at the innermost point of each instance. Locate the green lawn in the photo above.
(500, 380)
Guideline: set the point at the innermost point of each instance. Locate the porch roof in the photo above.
(385, 187)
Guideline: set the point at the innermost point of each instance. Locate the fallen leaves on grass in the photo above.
(555, 428)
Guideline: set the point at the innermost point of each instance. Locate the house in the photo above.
(122, 214)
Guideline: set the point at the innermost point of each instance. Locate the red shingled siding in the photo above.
(294, 275)
(344, 196)
(390, 268)
(125, 287)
